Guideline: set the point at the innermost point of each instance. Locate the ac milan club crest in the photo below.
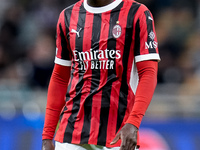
(117, 31)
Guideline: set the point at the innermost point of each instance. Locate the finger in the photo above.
(117, 137)
(129, 144)
(133, 147)
(123, 144)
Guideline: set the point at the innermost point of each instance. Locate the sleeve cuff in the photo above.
(135, 120)
(47, 136)
(147, 57)
(62, 62)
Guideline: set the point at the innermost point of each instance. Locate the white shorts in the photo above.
(68, 146)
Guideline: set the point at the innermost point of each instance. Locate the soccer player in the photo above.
(104, 76)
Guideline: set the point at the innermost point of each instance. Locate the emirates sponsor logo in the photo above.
(100, 59)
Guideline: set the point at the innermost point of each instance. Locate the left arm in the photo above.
(147, 71)
(146, 58)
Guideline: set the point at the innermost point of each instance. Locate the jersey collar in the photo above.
(101, 9)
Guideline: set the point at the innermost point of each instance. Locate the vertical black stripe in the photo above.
(67, 16)
(106, 91)
(68, 89)
(65, 50)
(67, 24)
(124, 86)
(76, 100)
(149, 30)
(96, 28)
(65, 54)
(137, 38)
(68, 13)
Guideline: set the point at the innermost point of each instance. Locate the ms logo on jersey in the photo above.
(117, 31)
(151, 43)
(152, 35)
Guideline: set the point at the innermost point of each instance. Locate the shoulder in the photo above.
(142, 10)
(138, 7)
(131, 3)
(68, 10)
(73, 6)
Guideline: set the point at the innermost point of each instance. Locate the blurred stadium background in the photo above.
(27, 48)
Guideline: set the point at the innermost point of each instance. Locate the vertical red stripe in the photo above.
(69, 104)
(131, 96)
(94, 127)
(105, 18)
(143, 39)
(96, 107)
(131, 54)
(76, 138)
(112, 119)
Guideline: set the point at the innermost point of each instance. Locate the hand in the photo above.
(47, 145)
(128, 135)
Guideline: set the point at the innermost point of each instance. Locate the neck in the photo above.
(99, 3)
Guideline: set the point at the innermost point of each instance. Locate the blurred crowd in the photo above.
(27, 41)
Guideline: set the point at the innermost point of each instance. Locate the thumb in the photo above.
(117, 137)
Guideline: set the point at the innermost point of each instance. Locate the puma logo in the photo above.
(77, 32)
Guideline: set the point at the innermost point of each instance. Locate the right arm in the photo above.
(55, 102)
(58, 84)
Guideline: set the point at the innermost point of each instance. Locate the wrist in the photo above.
(132, 125)
(135, 120)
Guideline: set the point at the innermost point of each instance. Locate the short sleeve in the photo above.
(146, 44)
(63, 52)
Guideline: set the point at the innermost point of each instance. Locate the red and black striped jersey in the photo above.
(102, 46)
